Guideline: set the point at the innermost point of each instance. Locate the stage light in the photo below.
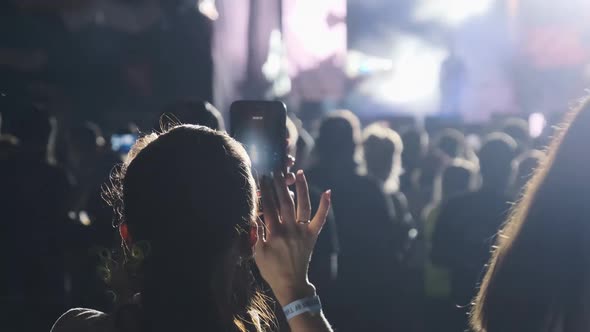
(450, 12)
(208, 8)
(537, 124)
(359, 64)
(413, 84)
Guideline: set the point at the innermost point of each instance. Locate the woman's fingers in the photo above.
(269, 207)
(289, 176)
(303, 202)
(290, 179)
(319, 219)
(286, 204)
(290, 161)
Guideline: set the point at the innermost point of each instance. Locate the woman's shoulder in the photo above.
(81, 319)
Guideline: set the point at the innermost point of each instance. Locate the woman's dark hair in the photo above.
(188, 202)
(538, 275)
(193, 112)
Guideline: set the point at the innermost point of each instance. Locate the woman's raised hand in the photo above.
(283, 254)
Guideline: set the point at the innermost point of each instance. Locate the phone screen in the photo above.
(122, 143)
(261, 127)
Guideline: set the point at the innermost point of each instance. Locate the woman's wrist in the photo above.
(290, 293)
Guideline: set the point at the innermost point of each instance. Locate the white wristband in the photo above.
(308, 304)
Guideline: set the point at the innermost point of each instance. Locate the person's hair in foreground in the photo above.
(192, 112)
(523, 168)
(188, 208)
(538, 275)
(175, 192)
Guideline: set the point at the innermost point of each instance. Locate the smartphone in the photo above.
(261, 127)
(122, 143)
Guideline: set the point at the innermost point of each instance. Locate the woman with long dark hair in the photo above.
(191, 233)
(538, 277)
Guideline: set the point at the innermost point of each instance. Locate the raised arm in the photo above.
(283, 255)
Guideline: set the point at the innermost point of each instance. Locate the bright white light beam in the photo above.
(450, 12)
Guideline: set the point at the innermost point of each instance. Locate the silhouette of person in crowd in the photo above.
(33, 202)
(519, 130)
(459, 177)
(450, 143)
(415, 149)
(383, 148)
(368, 233)
(462, 236)
(537, 277)
(90, 163)
(415, 152)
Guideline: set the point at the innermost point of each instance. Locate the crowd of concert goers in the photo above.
(414, 219)
(433, 226)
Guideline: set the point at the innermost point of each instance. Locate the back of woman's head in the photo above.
(193, 112)
(537, 279)
(188, 202)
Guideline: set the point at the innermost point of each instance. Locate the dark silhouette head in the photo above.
(495, 161)
(189, 201)
(458, 177)
(383, 148)
(337, 144)
(519, 130)
(193, 112)
(304, 144)
(34, 128)
(450, 142)
(538, 275)
(85, 140)
(8, 147)
(415, 147)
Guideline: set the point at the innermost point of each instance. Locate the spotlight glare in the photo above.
(451, 12)
(414, 81)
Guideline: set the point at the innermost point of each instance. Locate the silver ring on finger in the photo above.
(303, 222)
